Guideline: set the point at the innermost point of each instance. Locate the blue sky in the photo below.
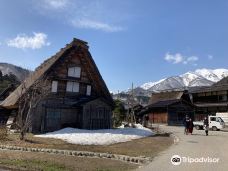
(131, 41)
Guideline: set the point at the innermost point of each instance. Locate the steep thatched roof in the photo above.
(166, 96)
(7, 91)
(11, 101)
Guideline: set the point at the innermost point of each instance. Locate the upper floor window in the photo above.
(72, 86)
(88, 90)
(54, 86)
(223, 98)
(74, 72)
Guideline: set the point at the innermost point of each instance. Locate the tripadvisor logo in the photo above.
(176, 160)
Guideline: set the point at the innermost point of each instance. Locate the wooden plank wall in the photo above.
(97, 115)
(158, 117)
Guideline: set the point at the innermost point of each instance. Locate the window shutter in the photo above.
(69, 87)
(75, 87)
(72, 87)
(54, 86)
(74, 72)
(77, 72)
(88, 90)
(71, 72)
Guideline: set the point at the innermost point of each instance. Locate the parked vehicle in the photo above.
(224, 117)
(215, 123)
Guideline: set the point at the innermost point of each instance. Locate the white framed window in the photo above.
(74, 72)
(72, 86)
(88, 90)
(54, 86)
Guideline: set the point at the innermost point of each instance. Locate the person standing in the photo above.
(186, 124)
(206, 125)
(191, 125)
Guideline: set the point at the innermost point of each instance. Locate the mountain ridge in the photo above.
(199, 77)
(19, 72)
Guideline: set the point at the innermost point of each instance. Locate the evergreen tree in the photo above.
(119, 113)
(1, 75)
(7, 80)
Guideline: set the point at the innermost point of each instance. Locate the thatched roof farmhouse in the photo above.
(77, 95)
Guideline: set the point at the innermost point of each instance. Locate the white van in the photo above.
(224, 117)
(215, 123)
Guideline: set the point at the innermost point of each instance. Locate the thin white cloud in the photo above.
(22, 41)
(210, 57)
(90, 24)
(55, 4)
(179, 58)
(175, 59)
(192, 59)
(82, 14)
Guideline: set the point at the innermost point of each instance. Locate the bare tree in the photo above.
(131, 103)
(28, 101)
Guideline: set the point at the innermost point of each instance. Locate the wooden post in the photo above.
(132, 105)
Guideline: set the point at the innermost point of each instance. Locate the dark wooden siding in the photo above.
(59, 72)
(158, 117)
(97, 115)
(51, 115)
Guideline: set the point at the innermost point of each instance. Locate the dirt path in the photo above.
(194, 146)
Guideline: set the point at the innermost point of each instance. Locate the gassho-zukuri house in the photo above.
(77, 95)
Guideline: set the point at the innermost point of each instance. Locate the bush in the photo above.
(3, 133)
(118, 113)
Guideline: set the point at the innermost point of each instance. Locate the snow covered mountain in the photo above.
(200, 77)
(197, 78)
(19, 72)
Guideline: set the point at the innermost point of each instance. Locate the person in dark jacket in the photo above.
(186, 124)
(191, 125)
(206, 125)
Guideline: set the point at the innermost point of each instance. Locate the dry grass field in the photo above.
(149, 147)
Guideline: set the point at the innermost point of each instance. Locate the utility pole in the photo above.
(132, 101)
(132, 115)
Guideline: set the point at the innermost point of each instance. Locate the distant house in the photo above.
(77, 95)
(210, 100)
(169, 107)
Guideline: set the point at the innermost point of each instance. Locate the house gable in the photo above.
(56, 68)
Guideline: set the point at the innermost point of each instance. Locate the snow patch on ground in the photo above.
(99, 137)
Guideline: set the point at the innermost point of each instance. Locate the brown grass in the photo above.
(3, 133)
(48, 162)
(149, 146)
